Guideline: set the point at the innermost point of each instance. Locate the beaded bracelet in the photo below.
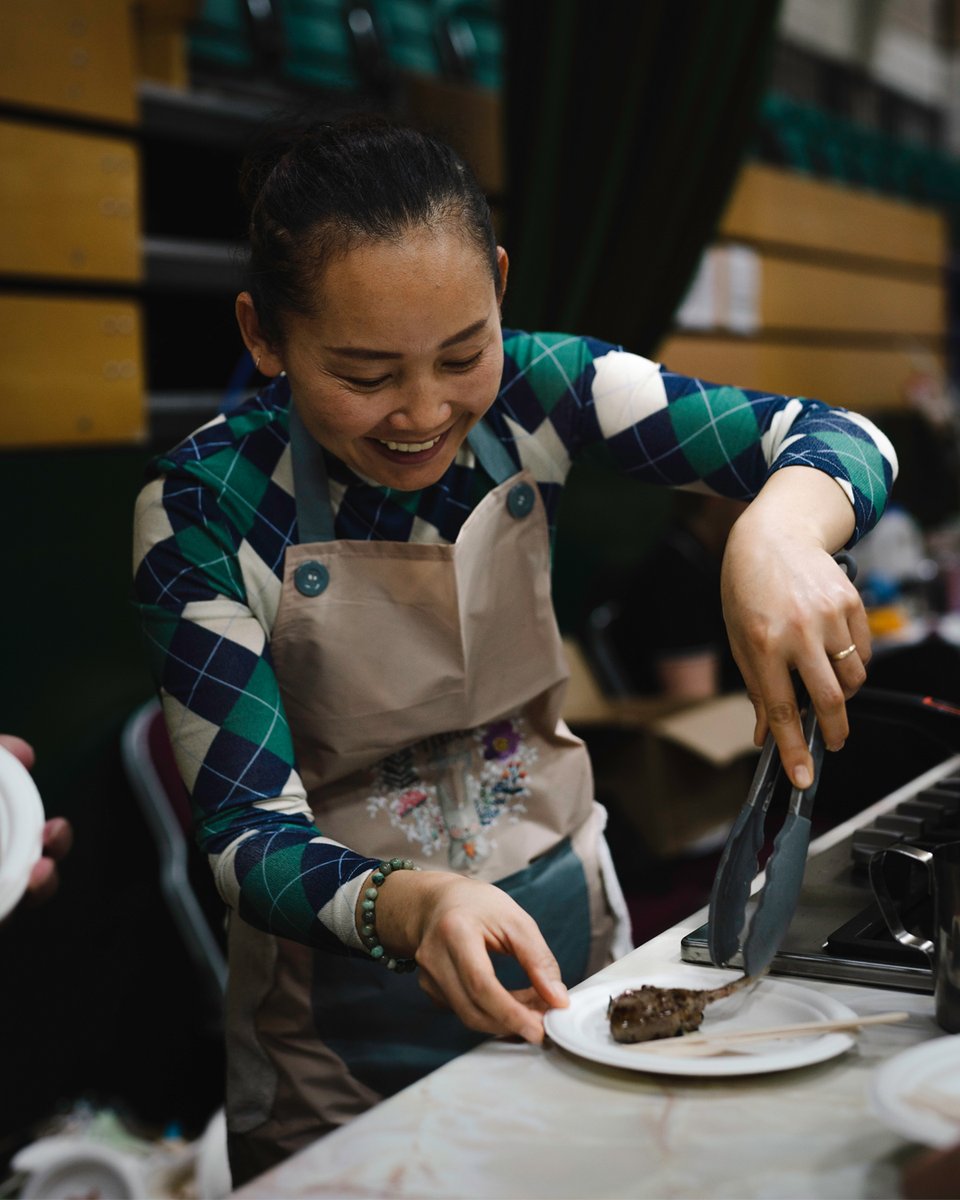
(368, 905)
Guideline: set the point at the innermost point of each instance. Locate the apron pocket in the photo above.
(553, 890)
(389, 1033)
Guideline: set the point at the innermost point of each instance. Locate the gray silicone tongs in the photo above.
(784, 870)
(777, 901)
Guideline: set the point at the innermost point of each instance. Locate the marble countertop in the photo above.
(516, 1121)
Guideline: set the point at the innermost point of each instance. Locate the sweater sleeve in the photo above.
(569, 399)
(662, 427)
(208, 643)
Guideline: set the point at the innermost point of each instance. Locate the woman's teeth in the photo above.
(409, 447)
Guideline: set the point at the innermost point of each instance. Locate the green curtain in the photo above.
(626, 124)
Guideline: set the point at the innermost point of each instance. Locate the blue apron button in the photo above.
(520, 500)
(311, 578)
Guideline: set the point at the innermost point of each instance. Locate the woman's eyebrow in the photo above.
(367, 353)
(464, 334)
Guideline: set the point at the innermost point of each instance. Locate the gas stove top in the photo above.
(837, 931)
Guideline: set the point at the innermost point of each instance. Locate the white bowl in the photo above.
(21, 829)
(64, 1168)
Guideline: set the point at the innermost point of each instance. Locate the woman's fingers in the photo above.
(18, 748)
(43, 882)
(468, 984)
(799, 617)
(542, 968)
(57, 838)
(775, 701)
(470, 920)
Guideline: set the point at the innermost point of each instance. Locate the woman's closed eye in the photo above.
(365, 384)
(463, 364)
(368, 384)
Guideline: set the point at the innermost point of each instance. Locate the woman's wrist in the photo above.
(371, 916)
(800, 502)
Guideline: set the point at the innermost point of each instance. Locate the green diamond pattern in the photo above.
(278, 879)
(250, 716)
(713, 427)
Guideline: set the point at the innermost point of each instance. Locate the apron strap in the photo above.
(491, 453)
(311, 487)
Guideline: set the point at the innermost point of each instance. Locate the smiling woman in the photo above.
(345, 585)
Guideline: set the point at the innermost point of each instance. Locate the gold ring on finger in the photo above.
(842, 654)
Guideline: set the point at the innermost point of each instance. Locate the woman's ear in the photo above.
(503, 266)
(265, 358)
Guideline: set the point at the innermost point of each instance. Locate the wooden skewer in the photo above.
(706, 1043)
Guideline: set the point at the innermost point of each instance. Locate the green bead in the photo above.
(408, 864)
(369, 931)
(371, 893)
(391, 964)
(376, 952)
(386, 868)
(368, 905)
(378, 877)
(396, 864)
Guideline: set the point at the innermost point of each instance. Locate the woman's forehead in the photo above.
(438, 284)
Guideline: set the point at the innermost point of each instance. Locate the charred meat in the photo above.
(647, 1013)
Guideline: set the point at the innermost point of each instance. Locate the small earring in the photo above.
(256, 365)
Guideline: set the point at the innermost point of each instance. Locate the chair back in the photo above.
(152, 772)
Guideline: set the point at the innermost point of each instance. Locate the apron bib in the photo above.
(423, 686)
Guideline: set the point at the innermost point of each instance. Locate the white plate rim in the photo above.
(888, 1085)
(803, 1052)
(21, 829)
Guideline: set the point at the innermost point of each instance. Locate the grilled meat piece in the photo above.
(647, 1013)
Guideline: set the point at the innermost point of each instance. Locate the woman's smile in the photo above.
(411, 452)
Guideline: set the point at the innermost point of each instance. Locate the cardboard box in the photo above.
(677, 773)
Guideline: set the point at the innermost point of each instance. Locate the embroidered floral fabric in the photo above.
(490, 765)
(217, 514)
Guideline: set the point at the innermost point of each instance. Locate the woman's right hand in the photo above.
(450, 925)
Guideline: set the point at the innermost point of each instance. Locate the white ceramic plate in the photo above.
(895, 1088)
(21, 829)
(584, 1029)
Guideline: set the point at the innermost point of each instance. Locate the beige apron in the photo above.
(423, 685)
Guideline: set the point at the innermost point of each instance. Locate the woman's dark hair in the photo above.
(317, 190)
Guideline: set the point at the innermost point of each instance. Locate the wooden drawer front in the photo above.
(69, 204)
(71, 373)
(863, 379)
(817, 290)
(773, 206)
(72, 56)
(809, 296)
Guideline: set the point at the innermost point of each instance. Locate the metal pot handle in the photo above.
(888, 906)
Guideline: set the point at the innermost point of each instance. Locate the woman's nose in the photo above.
(423, 407)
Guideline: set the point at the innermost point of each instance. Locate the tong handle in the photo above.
(785, 866)
(738, 862)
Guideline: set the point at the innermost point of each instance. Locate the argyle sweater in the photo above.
(217, 513)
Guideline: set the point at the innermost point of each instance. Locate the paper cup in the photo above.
(21, 830)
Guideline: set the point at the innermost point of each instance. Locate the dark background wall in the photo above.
(97, 999)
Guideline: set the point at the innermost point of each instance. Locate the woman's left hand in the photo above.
(789, 606)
